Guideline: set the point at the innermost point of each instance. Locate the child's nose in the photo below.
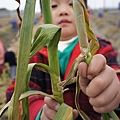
(63, 11)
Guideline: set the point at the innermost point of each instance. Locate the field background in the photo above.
(106, 26)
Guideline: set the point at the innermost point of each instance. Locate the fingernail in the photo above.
(57, 107)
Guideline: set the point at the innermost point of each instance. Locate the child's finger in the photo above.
(97, 64)
(48, 113)
(82, 69)
(109, 107)
(75, 114)
(87, 73)
(52, 103)
(100, 82)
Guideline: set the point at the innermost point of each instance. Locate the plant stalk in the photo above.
(52, 51)
(22, 63)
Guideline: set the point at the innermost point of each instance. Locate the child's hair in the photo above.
(85, 1)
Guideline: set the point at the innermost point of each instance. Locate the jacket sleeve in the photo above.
(36, 103)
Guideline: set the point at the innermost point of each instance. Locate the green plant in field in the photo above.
(49, 34)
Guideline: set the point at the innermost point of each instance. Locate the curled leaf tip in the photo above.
(18, 10)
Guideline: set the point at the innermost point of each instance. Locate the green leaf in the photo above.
(34, 92)
(113, 115)
(65, 112)
(105, 117)
(52, 51)
(4, 108)
(44, 34)
(22, 63)
(44, 68)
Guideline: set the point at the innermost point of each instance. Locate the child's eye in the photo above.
(54, 6)
(71, 4)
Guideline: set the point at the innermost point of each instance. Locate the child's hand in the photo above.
(100, 83)
(50, 109)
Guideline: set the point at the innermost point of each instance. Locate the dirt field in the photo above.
(107, 27)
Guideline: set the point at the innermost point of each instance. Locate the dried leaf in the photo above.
(18, 10)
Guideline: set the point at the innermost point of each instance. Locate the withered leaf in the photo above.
(18, 10)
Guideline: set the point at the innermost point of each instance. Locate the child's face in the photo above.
(63, 16)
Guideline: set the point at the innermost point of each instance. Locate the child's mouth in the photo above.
(64, 22)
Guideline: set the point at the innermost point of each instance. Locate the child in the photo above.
(104, 88)
(63, 16)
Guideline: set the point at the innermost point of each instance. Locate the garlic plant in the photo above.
(50, 34)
